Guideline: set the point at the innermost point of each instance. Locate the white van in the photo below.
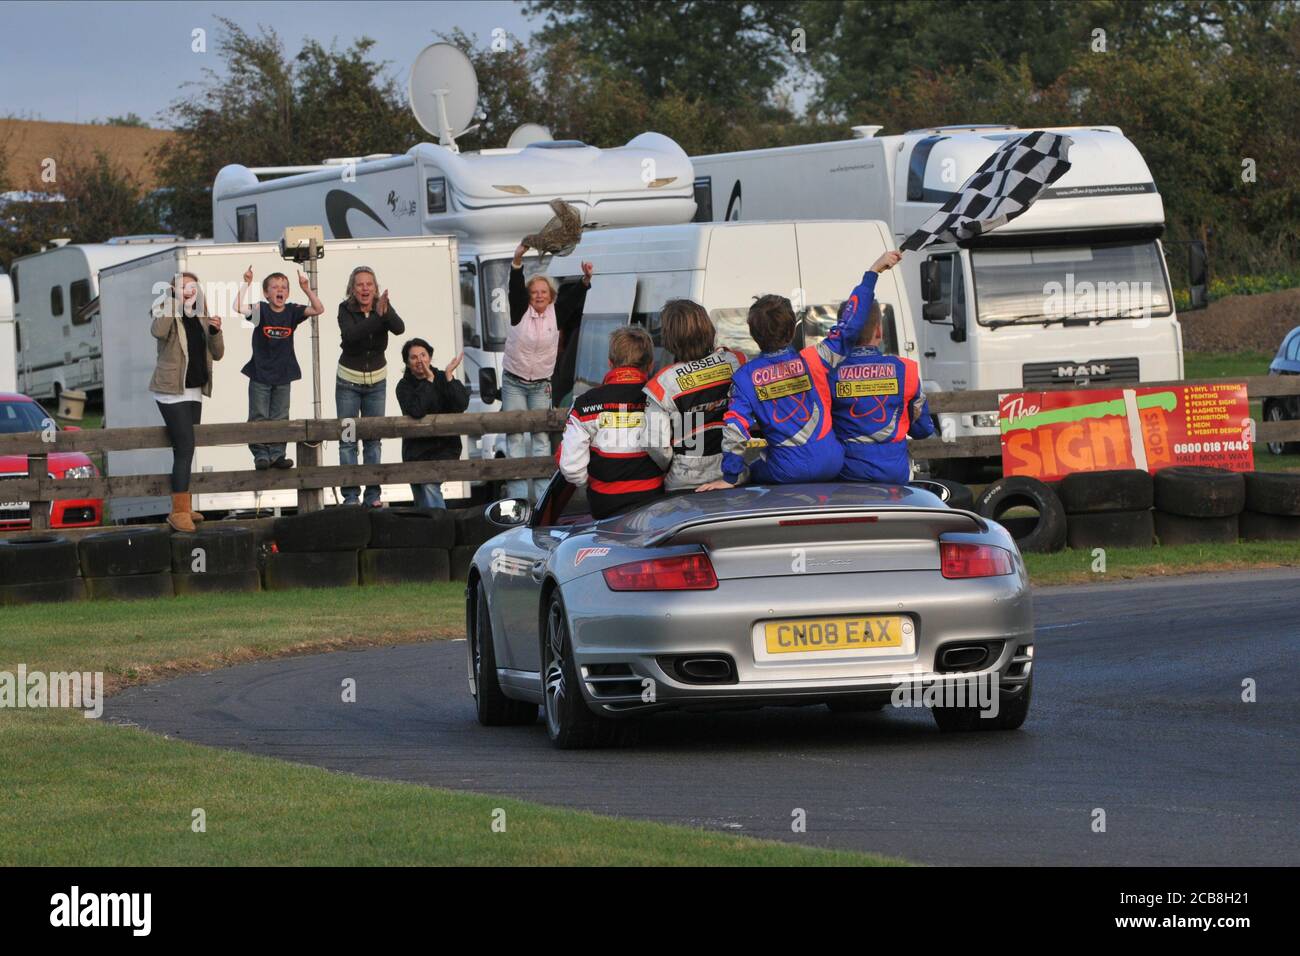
(419, 272)
(725, 267)
(59, 341)
(1075, 290)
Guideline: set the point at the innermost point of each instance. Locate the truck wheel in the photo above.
(1255, 526)
(324, 569)
(1110, 529)
(494, 708)
(412, 528)
(1196, 492)
(120, 553)
(1048, 533)
(395, 565)
(41, 592)
(1274, 412)
(343, 528)
(1180, 529)
(130, 587)
(1273, 493)
(1093, 492)
(570, 723)
(1012, 711)
(222, 550)
(221, 581)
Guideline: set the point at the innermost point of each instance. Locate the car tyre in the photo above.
(494, 708)
(570, 723)
(1012, 711)
(1048, 530)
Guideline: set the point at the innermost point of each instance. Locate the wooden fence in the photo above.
(309, 477)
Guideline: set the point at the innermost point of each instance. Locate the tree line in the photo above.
(1208, 90)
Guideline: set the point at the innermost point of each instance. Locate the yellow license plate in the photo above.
(832, 634)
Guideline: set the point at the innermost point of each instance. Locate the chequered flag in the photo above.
(1005, 185)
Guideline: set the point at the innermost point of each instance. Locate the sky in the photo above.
(75, 62)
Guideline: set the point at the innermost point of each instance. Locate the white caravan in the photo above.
(420, 274)
(8, 347)
(488, 199)
(1075, 290)
(725, 267)
(58, 335)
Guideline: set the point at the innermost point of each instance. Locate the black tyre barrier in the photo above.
(223, 551)
(37, 559)
(1199, 492)
(319, 569)
(960, 496)
(1180, 529)
(395, 565)
(1048, 533)
(412, 528)
(1254, 526)
(208, 583)
(130, 587)
(1019, 527)
(1272, 493)
(462, 556)
(1095, 492)
(1110, 529)
(473, 527)
(343, 528)
(38, 592)
(138, 551)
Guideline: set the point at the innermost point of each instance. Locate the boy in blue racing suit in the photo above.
(876, 405)
(786, 395)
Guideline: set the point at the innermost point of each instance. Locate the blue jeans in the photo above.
(517, 395)
(267, 403)
(359, 401)
(428, 495)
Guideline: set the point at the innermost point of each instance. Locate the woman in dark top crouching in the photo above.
(360, 389)
(425, 390)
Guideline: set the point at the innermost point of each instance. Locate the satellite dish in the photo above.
(527, 134)
(444, 92)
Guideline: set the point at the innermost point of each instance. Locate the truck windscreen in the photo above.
(1117, 280)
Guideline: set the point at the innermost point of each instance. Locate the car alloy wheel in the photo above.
(553, 670)
(1275, 415)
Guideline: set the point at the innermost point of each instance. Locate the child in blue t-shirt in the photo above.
(274, 364)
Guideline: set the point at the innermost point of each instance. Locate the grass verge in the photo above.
(1075, 567)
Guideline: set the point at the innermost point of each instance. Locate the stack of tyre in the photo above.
(318, 549)
(1196, 505)
(39, 567)
(215, 558)
(408, 544)
(1272, 511)
(126, 565)
(1108, 509)
(1043, 532)
(472, 530)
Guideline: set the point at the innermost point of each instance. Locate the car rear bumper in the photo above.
(630, 647)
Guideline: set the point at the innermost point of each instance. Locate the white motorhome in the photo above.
(1074, 290)
(419, 272)
(488, 199)
(724, 267)
(8, 347)
(59, 341)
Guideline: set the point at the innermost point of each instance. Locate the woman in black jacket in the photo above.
(366, 319)
(424, 390)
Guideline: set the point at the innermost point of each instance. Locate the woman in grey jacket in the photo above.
(189, 340)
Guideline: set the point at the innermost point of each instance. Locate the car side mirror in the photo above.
(509, 512)
(487, 386)
(935, 312)
(930, 280)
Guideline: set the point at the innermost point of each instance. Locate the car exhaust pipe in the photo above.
(968, 657)
(701, 670)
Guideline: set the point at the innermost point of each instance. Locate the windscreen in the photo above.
(1101, 281)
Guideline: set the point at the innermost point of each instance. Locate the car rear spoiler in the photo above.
(802, 526)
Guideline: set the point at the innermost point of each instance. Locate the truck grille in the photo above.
(1116, 370)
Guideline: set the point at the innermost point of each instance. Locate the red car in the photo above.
(18, 413)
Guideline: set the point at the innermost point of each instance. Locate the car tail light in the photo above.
(962, 560)
(683, 572)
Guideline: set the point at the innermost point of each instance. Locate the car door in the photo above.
(517, 567)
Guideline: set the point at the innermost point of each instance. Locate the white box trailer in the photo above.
(488, 199)
(8, 347)
(725, 267)
(420, 274)
(58, 334)
(1075, 290)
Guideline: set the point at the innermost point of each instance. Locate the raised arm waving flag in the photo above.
(1005, 185)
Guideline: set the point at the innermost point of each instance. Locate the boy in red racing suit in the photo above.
(787, 394)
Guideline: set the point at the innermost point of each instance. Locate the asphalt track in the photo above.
(1137, 712)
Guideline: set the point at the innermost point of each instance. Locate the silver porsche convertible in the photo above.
(855, 596)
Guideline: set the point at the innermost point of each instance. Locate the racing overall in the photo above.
(786, 395)
(604, 445)
(877, 403)
(685, 404)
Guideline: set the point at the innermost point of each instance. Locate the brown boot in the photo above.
(196, 516)
(179, 519)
